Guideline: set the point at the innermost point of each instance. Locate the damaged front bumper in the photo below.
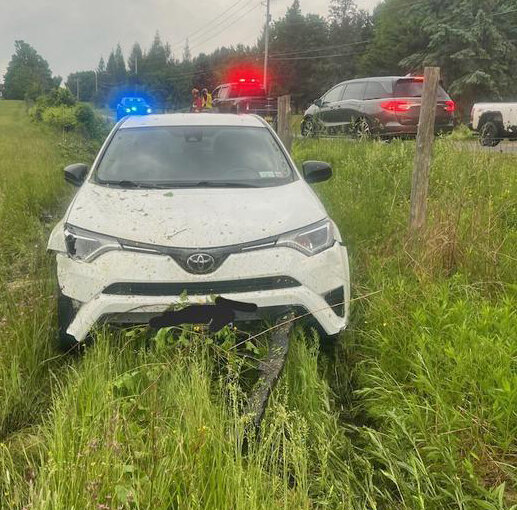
(128, 287)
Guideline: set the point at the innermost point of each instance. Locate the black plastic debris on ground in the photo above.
(270, 369)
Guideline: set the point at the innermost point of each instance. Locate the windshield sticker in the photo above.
(266, 175)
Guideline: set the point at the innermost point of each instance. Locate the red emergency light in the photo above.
(244, 74)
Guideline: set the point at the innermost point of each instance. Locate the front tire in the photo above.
(490, 134)
(308, 128)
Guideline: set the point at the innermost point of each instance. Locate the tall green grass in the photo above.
(32, 197)
(433, 371)
(414, 408)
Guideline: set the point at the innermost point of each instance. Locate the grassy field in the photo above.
(414, 408)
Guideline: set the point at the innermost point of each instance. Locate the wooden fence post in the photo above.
(284, 121)
(424, 147)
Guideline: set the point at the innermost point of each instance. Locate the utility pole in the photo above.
(136, 64)
(77, 88)
(96, 83)
(266, 47)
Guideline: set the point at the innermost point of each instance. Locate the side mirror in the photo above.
(76, 174)
(316, 171)
(318, 102)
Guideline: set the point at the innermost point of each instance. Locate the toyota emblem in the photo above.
(200, 263)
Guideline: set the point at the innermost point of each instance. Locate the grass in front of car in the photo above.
(415, 409)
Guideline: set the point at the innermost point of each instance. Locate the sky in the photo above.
(72, 35)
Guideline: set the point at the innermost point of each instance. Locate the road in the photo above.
(505, 147)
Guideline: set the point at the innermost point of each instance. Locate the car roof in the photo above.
(378, 78)
(192, 119)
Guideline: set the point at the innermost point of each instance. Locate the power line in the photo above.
(313, 57)
(209, 23)
(222, 21)
(214, 26)
(228, 26)
(321, 48)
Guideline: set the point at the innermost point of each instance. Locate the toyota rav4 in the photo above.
(196, 205)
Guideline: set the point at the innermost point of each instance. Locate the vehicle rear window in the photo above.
(377, 90)
(179, 155)
(247, 90)
(408, 87)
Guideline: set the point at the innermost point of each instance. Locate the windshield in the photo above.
(414, 88)
(132, 100)
(194, 156)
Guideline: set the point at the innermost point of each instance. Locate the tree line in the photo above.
(473, 41)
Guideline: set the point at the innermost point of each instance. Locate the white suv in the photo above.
(196, 205)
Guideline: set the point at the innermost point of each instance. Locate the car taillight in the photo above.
(396, 106)
(450, 106)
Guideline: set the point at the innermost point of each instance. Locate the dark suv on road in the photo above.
(244, 96)
(385, 107)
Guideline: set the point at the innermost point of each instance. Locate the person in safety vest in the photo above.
(207, 99)
(197, 102)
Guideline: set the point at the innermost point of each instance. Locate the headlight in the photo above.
(128, 110)
(149, 110)
(87, 246)
(310, 240)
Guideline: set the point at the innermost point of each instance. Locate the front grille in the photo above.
(201, 288)
(181, 255)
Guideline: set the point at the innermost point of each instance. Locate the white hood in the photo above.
(195, 218)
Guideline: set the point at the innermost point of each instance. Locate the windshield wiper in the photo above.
(214, 184)
(133, 184)
(185, 184)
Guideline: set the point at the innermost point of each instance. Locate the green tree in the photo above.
(472, 42)
(82, 85)
(396, 34)
(135, 59)
(297, 64)
(28, 74)
(156, 65)
(116, 68)
(101, 67)
(158, 56)
(187, 55)
(349, 29)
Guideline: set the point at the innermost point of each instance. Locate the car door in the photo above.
(350, 107)
(328, 105)
(221, 101)
(215, 96)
